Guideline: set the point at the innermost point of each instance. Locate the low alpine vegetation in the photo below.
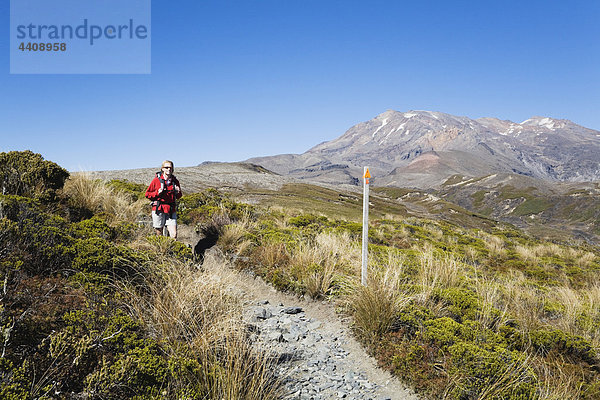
(458, 313)
(94, 306)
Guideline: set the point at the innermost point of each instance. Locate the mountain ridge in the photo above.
(393, 142)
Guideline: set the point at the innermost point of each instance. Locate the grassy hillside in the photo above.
(457, 311)
(93, 306)
(457, 305)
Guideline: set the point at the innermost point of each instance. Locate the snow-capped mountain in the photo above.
(424, 148)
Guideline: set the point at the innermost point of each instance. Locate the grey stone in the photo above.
(314, 325)
(262, 313)
(275, 336)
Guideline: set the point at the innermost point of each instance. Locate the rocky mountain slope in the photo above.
(423, 148)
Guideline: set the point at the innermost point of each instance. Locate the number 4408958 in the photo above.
(43, 47)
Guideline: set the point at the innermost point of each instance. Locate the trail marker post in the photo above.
(365, 227)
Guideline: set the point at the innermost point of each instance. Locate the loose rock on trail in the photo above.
(316, 352)
(317, 359)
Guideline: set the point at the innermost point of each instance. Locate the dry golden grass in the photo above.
(374, 307)
(319, 263)
(97, 196)
(232, 235)
(585, 259)
(273, 255)
(471, 255)
(527, 253)
(490, 295)
(200, 309)
(245, 373)
(578, 257)
(319, 282)
(436, 271)
(557, 383)
(436, 232)
(494, 244)
(579, 310)
(522, 301)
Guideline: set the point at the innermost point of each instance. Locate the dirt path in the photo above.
(329, 362)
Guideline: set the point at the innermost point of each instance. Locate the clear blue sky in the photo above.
(236, 79)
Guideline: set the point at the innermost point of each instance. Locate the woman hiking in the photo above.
(164, 190)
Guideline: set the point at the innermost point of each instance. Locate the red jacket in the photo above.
(166, 199)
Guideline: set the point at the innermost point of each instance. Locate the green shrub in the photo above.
(479, 373)
(308, 219)
(18, 207)
(531, 206)
(92, 283)
(40, 241)
(412, 319)
(141, 373)
(25, 173)
(14, 383)
(95, 255)
(197, 208)
(94, 227)
(136, 191)
(167, 246)
(445, 331)
(353, 228)
(574, 347)
(462, 303)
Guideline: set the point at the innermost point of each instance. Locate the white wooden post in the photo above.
(365, 227)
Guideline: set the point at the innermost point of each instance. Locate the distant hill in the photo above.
(423, 149)
(221, 175)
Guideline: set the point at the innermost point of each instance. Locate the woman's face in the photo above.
(167, 169)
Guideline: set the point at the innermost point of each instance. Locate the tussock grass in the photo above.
(232, 235)
(576, 311)
(186, 304)
(98, 197)
(581, 258)
(319, 263)
(273, 254)
(435, 271)
(181, 305)
(494, 244)
(522, 300)
(557, 382)
(244, 373)
(376, 306)
(527, 253)
(494, 310)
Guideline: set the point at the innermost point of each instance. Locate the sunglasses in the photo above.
(167, 167)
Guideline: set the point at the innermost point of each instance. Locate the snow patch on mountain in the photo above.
(384, 123)
(544, 122)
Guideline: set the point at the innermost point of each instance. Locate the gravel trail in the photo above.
(317, 352)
